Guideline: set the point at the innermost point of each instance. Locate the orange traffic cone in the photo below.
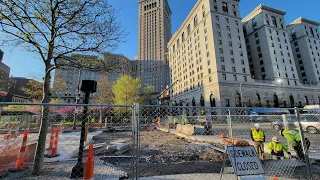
(51, 138)
(22, 154)
(275, 178)
(53, 152)
(89, 165)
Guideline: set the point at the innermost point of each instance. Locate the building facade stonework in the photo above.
(154, 33)
(208, 59)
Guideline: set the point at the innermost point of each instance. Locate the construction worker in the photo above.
(277, 149)
(176, 120)
(202, 112)
(185, 120)
(258, 138)
(294, 138)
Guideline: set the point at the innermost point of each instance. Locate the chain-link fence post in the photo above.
(304, 147)
(135, 132)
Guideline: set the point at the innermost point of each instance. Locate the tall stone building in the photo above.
(305, 42)
(153, 35)
(209, 63)
(72, 76)
(268, 46)
(154, 29)
(207, 55)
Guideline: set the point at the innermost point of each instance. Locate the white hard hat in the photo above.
(257, 125)
(275, 139)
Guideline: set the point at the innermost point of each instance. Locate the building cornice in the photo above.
(301, 19)
(259, 9)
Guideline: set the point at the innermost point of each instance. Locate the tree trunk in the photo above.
(39, 156)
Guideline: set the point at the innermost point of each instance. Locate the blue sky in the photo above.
(24, 64)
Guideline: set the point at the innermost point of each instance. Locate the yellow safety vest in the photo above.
(277, 146)
(257, 135)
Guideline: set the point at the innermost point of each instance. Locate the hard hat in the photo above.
(275, 139)
(257, 125)
(280, 132)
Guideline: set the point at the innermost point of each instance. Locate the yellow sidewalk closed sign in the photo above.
(245, 160)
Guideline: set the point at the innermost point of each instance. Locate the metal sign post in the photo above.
(87, 87)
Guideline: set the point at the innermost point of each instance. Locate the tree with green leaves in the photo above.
(104, 91)
(126, 91)
(34, 89)
(54, 29)
(147, 94)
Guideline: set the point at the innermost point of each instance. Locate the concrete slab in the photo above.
(68, 145)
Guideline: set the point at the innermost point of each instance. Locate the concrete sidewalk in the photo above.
(213, 176)
(68, 145)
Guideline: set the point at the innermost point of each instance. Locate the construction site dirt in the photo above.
(166, 154)
(161, 153)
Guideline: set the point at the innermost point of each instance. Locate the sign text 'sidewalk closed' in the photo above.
(245, 160)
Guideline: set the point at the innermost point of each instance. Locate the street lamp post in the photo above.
(241, 94)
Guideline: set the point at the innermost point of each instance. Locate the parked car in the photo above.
(309, 123)
(267, 115)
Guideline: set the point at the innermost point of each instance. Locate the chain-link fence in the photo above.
(165, 142)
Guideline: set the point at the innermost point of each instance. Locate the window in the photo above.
(225, 7)
(209, 71)
(231, 52)
(189, 29)
(220, 42)
(227, 20)
(271, 38)
(311, 31)
(224, 77)
(217, 18)
(222, 59)
(178, 42)
(269, 30)
(241, 53)
(228, 28)
(234, 69)
(210, 79)
(183, 38)
(243, 70)
(295, 43)
(218, 26)
(274, 21)
(232, 60)
(245, 78)
(223, 68)
(230, 44)
(195, 21)
(257, 41)
(227, 103)
(242, 62)
(261, 62)
(235, 77)
(256, 35)
(262, 69)
(221, 50)
(208, 54)
(216, 8)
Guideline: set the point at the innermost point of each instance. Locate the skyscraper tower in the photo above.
(154, 29)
